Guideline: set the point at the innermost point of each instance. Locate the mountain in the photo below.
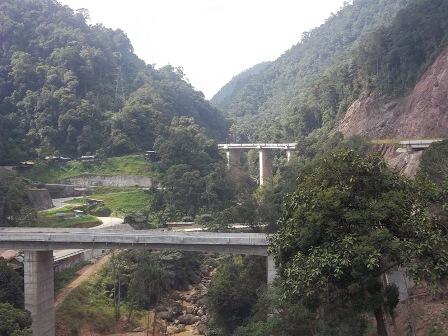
(228, 92)
(370, 48)
(72, 88)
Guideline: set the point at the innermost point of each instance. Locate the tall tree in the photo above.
(351, 220)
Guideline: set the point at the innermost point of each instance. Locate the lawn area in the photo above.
(121, 202)
(53, 218)
(123, 165)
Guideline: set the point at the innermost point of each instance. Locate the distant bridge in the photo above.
(233, 152)
(39, 243)
(408, 145)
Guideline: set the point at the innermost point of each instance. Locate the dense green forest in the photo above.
(71, 88)
(368, 45)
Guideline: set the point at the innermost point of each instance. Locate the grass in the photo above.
(50, 218)
(121, 202)
(123, 165)
(64, 277)
(89, 306)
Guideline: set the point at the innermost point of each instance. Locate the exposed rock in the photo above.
(166, 315)
(421, 114)
(202, 329)
(188, 319)
(40, 199)
(175, 329)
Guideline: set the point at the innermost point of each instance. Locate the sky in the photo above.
(212, 40)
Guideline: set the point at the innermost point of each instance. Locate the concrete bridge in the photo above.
(233, 152)
(39, 243)
(417, 145)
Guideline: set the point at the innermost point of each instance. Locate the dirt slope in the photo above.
(421, 114)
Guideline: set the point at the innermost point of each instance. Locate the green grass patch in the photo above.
(123, 165)
(122, 202)
(64, 277)
(51, 218)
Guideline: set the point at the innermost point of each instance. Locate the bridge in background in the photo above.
(407, 145)
(233, 152)
(39, 243)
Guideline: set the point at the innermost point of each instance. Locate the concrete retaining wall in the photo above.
(68, 190)
(111, 181)
(40, 199)
(77, 257)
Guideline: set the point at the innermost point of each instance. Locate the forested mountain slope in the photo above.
(369, 47)
(237, 83)
(73, 88)
(270, 92)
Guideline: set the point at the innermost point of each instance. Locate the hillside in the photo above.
(269, 93)
(71, 88)
(231, 89)
(370, 53)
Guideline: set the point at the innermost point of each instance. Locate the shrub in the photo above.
(101, 211)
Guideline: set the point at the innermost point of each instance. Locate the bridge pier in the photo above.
(233, 157)
(272, 271)
(265, 159)
(39, 291)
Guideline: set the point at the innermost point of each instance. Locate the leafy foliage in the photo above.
(70, 88)
(15, 208)
(434, 162)
(234, 291)
(10, 286)
(351, 220)
(13, 321)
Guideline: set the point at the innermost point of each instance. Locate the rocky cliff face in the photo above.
(422, 113)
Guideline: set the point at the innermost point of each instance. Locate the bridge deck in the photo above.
(258, 146)
(39, 239)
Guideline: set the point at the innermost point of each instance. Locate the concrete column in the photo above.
(288, 155)
(399, 277)
(265, 166)
(39, 291)
(272, 271)
(233, 157)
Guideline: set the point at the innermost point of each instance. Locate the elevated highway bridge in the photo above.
(38, 245)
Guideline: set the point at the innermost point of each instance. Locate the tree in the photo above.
(234, 290)
(15, 209)
(350, 220)
(13, 321)
(10, 285)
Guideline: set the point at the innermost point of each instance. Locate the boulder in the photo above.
(188, 319)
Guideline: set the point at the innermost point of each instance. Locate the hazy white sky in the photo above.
(213, 40)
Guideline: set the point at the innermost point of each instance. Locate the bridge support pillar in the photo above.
(39, 291)
(272, 271)
(288, 155)
(265, 166)
(233, 157)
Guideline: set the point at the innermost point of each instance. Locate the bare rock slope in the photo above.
(421, 114)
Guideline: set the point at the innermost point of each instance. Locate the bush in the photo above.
(101, 211)
(187, 219)
(204, 219)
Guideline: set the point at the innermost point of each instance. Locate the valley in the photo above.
(308, 196)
